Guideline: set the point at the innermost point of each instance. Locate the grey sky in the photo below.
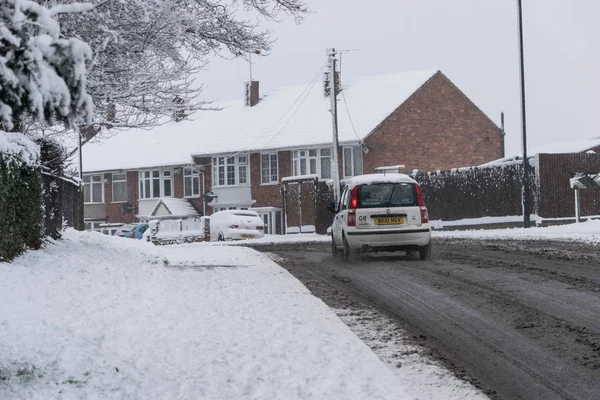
(474, 42)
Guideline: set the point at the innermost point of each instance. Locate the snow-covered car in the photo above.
(236, 225)
(380, 212)
(125, 230)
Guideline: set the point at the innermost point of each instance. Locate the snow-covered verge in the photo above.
(97, 317)
(281, 239)
(587, 232)
(422, 378)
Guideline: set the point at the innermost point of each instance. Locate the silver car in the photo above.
(380, 212)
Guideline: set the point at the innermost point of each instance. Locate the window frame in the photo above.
(194, 173)
(299, 155)
(352, 165)
(114, 180)
(224, 165)
(270, 166)
(148, 182)
(90, 185)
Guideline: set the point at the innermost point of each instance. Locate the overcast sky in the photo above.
(473, 42)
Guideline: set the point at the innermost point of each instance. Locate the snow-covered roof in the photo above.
(377, 178)
(284, 118)
(575, 146)
(176, 207)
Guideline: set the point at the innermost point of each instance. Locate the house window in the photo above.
(155, 184)
(119, 187)
(312, 162)
(352, 161)
(268, 168)
(191, 182)
(230, 171)
(325, 159)
(93, 189)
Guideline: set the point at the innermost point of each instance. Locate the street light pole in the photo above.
(526, 196)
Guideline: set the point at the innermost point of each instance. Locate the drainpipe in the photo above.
(203, 192)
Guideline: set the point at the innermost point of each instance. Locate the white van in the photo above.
(380, 212)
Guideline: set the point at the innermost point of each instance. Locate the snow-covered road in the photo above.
(97, 317)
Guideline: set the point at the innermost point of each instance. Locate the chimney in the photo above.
(252, 98)
(327, 82)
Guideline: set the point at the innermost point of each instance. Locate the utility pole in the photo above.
(335, 169)
(526, 205)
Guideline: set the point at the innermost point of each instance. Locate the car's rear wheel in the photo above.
(220, 238)
(425, 252)
(334, 250)
(347, 249)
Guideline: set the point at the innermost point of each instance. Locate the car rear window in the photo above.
(389, 194)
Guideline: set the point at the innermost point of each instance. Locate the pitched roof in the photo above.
(176, 207)
(295, 116)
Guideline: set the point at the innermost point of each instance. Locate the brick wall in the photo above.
(114, 211)
(268, 195)
(437, 128)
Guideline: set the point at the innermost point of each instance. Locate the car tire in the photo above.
(347, 249)
(425, 252)
(220, 238)
(335, 252)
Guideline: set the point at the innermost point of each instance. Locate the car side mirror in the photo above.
(331, 207)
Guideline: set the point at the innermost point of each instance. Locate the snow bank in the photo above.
(19, 148)
(587, 232)
(98, 317)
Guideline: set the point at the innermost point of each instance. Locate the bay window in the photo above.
(230, 171)
(268, 168)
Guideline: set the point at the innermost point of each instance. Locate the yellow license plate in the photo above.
(244, 236)
(389, 221)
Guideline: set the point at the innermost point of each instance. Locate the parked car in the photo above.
(236, 225)
(380, 212)
(125, 230)
(138, 231)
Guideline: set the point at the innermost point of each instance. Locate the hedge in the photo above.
(21, 221)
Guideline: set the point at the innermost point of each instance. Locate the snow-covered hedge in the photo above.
(491, 191)
(21, 219)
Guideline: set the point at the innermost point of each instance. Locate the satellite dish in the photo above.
(127, 208)
(209, 196)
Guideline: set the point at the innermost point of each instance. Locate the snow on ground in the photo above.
(97, 317)
(422, 378)
(586, 232)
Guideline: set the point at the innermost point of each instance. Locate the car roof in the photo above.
(378, 178)
(237, 212)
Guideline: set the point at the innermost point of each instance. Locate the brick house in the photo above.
(241, 152)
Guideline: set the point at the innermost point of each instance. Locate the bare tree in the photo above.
(147, 52)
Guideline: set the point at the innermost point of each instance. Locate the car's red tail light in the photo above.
(421, 203)
(132, 236)
(260, 228)
(353, 205)
(354, 198)
(424, 215)
(351, 217)
(234, 226)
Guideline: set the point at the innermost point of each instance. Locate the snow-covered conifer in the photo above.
(42, 75)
